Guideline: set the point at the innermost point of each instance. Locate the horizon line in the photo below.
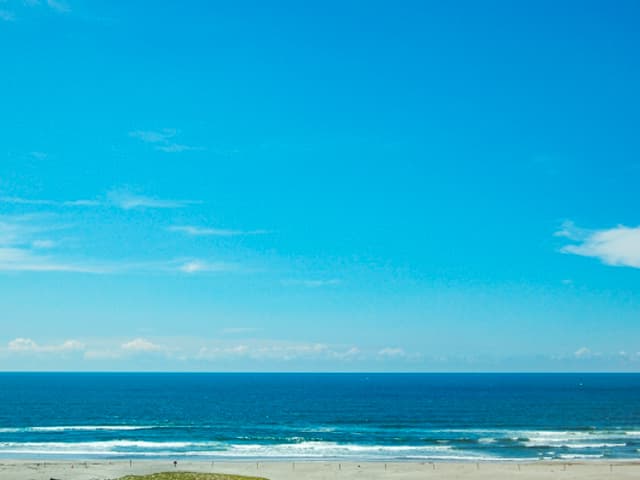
(263, 372)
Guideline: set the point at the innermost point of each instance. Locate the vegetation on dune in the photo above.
(189, 476)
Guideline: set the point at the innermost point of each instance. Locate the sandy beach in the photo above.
(281, 470)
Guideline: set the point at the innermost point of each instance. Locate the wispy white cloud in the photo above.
(81, 203)
(162, 140)
(569, 230)
(29, 260)
(51, 203)
(202, 266)
(217, 232)
(22, 345)
(618, 246)
(198, 351)
(27, 345)
(348, 354)
(629, 356)
(28, 242)
(269, 350)
(15, 229)
(141, 345)
(20, 248)
(154, 136)
(176, 148)
(26, 201)
(392, 352)
(25, 260)
(256, 350)
(110, 350)
(120, 198)
(583, 352)
(23, 249)
(128, 200)
(211, 353)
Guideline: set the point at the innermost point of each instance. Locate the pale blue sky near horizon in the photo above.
(329, 186)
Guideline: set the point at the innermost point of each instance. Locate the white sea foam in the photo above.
(318, 429)
(292, 450)
(335, 450)
(576, 456)
(297, 447)
(594, 445)
(103, 446)
(546, 434)
(487, 440)
(572, 439)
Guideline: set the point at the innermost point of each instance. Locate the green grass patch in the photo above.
(189, 476)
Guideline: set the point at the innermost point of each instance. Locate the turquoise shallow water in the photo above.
(312, 416)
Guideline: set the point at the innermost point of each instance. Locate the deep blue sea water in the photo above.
(317, 416)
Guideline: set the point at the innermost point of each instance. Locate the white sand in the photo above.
(101, 470)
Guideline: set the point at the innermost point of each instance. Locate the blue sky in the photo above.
(378, 186)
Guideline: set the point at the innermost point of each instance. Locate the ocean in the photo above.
(386, 417)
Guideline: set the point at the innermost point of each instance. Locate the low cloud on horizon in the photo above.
(256, 354)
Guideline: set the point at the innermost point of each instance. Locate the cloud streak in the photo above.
(128, 200)
(212, 351)
(202, 266)
(583, 352)
(195, 231)
(207, 352)
(162, 140)
(136, 347)
(22, 249)
(618, 246)
(51, 203)
(392, 352)
(24, 260)
(118, 198)
(141, 345)
(27, 345)
(278, 351)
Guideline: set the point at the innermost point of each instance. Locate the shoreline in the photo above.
(81, 469)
